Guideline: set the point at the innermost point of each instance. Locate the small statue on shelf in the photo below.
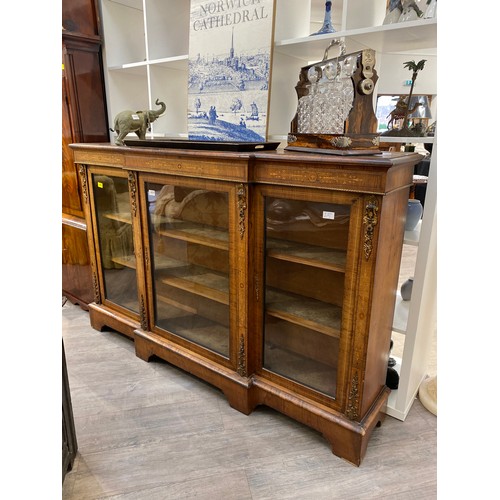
(136, 121)
(410, 12)
(430, 11)
(393, 12)
(401, 111)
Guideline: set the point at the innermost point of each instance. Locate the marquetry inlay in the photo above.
(241, 358)
(132, 184)
(242, 206)
(104, 159)
(353, 400)
(83, 176)
(370, 220)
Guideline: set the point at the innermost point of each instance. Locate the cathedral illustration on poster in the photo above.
(229, 69)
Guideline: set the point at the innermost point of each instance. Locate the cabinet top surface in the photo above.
(383, 160)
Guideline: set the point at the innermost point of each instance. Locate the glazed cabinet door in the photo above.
(190, 263)
(306, 259)
(113, 232)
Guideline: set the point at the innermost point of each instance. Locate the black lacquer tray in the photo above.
(202, 145)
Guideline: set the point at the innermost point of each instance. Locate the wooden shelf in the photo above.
(178, 305)
(310, 255)
(206, 284)
(303, 311)
(200, 331)
(163, 262)
(124, 217)
(199, 234)
(302, 369)
(126, 261)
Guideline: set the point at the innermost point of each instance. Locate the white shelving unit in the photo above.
(416, 319)
(146, 47)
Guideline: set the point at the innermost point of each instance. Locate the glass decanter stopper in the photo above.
(327, 22)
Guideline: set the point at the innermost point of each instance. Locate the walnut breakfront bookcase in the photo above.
(272, 275)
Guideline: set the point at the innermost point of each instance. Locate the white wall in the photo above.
(392, 74)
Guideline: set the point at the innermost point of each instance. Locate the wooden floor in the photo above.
(151, 431)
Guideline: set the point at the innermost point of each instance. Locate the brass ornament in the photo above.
(132, 184)
(341, 142)
(366, 86)
(370, 220)
(97, 293)
(291, 138)
(367, 63)
(241, 369)
(242, 206)
(83, 175)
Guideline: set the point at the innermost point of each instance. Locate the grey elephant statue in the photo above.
(136, 121)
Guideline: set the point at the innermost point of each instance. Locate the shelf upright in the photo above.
(421, 310)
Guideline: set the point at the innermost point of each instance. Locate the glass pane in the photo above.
(114, 223)
(306, 247)
(190, 254)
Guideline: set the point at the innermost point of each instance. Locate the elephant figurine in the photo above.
(136, 121)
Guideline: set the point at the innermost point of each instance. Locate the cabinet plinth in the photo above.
(270, 275)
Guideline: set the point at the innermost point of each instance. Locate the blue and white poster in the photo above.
(230, 47)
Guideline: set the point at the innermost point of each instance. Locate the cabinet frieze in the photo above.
(362, 182)
(190, 167)
(104, 158)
